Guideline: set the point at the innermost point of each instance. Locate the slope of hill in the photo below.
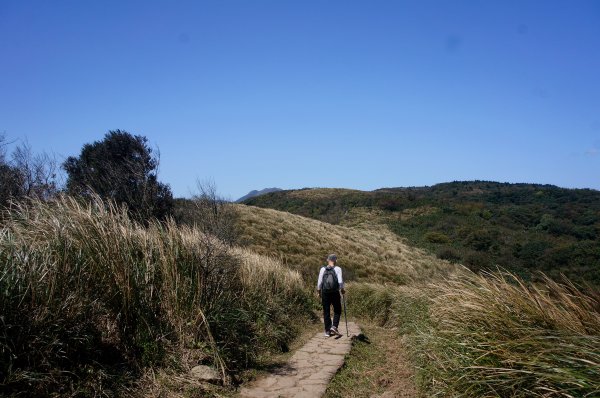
(302, 243)
(465, 335)
(521, 227)
(256, 193)
(95, 304)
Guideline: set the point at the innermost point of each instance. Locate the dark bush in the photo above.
(448, 253)
(391, 205)
(477, 261)
(481, 240)
(121, 168)
(436, 237)
(587, 232)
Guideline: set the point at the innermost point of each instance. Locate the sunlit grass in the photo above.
(492, 335)
(88, 296)
(495, 335)
(375, 255)
(471, 335)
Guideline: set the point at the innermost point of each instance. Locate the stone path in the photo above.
(308, 371)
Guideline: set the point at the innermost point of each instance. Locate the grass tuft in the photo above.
(494, 335)
(491, 334)
(89, 299)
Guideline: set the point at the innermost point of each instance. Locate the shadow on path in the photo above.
(308, 371)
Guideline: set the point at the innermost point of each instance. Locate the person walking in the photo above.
(329, 286)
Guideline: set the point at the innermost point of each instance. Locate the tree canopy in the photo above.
(123, 168)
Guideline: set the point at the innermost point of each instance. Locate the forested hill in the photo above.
(521, 227)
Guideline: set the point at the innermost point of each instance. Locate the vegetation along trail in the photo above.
(498, 327)
(308, 371)
(98, 299)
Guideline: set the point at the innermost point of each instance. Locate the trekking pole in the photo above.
(345, 315)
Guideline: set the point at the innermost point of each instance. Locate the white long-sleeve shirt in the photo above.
(338, 272)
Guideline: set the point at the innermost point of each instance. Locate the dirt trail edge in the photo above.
(308, 371)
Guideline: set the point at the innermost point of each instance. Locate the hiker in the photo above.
(329, 286)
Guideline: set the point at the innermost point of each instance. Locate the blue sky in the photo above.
(294, 94)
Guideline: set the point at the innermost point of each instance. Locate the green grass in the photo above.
(376, 364)
(404, 308)
(363, 359)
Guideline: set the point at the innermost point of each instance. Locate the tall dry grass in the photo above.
(401, 308)
(495, 335)
(367, 255)
(471, 335)
(88, 298)
(492, 335)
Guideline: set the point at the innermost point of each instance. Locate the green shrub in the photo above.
(482, 240)
(477, 261)
(486, 214)
(436, 237)
(532, 251)
(391, 204)
(448, 253)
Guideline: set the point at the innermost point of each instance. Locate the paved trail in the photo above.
(308, 371)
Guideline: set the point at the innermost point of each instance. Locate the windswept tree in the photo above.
(9, 177)
(25, 174)
(123, 168)
(213, 214)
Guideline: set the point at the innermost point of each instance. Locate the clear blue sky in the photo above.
(295, 94)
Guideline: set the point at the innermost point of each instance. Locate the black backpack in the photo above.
(330, 281)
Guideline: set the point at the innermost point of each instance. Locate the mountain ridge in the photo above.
(254, 193)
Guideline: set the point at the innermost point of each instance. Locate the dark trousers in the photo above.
(329, 299)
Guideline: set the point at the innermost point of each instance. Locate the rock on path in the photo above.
(308, 371)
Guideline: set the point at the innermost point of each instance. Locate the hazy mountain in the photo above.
(255, 193)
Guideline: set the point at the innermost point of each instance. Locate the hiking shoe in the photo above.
(334, 331)
(327, 334)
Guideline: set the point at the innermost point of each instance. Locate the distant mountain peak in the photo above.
(255, 193)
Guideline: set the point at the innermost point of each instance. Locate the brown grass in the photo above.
(89, 299)
(321, 193)
(495, 335)
(375, 255)
(374, 218)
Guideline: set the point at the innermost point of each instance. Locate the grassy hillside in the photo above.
(95, 304)
(302, 243)
(520, 227)
(468, 335)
